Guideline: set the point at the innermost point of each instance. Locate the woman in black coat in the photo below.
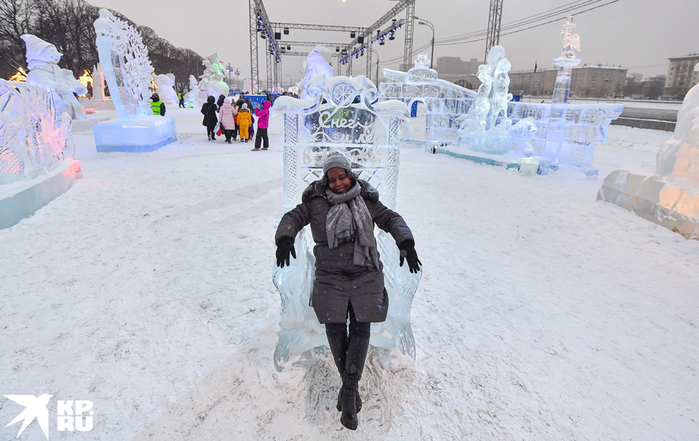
(208, 109)
(342, 211)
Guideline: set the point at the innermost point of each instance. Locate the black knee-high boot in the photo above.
(338, 347)
(357, 348)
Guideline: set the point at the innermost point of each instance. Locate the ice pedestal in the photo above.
(144, 134)
(662, 201)
(22, 199)
(670, 197)
(491, 141)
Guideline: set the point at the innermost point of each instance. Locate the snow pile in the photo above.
(541, 314)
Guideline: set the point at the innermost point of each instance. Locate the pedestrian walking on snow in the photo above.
(208, 109)
(227, 115)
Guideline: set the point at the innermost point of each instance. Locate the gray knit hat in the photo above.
(336, 159)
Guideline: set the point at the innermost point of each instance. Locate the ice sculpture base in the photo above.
(492, 141)
(144, 134)
(22, 199)
(669, 203)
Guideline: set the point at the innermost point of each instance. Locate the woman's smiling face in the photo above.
(338, 180)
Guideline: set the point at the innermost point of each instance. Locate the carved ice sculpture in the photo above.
(42, 61)
(328, 119)
(125, 64)
(36, 152)
(557, 132)
(317, 63)
(212, 83)
(670, 197)
(445, 101)
(678, 157)
(165, 87)
(484, 127)
(192, 95)
(124, 60)
(561, 92)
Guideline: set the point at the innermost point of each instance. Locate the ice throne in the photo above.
(341, 113)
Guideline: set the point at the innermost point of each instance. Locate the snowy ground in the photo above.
(542, 314)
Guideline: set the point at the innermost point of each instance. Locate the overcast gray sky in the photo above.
(637, 34)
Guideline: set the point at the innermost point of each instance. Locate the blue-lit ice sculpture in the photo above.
(36, 151)
(445, 101)
(126, 67)
(552, 133)
(338, 114)
(484, 127)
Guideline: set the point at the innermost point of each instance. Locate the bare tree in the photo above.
(68, 24)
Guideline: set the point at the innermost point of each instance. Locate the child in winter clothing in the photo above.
(227, 117)
(244, 121)
(208, 109)
(342, 211)
(262, 125)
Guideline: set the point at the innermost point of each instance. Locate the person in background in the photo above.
(180, 96)
(221, 99)
(262, 125)
(244, 122)
(208, 109)
(227, 115)
(349, 283)
(157, 106)
(238, 104)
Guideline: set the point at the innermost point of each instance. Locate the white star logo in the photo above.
(35, 408)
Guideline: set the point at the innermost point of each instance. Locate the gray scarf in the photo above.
(349, 217)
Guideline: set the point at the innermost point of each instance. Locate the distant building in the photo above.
(652, 88)
(454, 68)
(539, 83)
(586, 81)
(681, 76)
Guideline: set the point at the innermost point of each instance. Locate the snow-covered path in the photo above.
(542, 314)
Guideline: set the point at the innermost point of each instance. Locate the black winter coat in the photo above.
(338, 281)
(209, 111)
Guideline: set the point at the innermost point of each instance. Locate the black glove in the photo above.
(284, 247)
(407, 251)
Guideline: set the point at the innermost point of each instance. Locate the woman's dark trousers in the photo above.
(261, 136)
(349, 353)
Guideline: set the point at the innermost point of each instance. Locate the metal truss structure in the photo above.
(494, 18)
(362, 39)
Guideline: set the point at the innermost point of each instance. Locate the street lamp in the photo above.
(428, 23)
(377, 65)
